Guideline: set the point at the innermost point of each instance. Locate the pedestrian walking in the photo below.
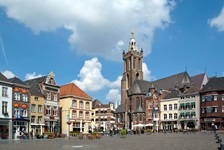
(31, 134)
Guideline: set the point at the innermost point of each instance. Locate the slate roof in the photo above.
(191, 90)
(3, 78)
(72, 90)
(95, 103)
(168, 83)
(198, 79)
(174, 94)
(34, 85)
(139, 110)
(214, 84)
(17, 81)
(120, 109)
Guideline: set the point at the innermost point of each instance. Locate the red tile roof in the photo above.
(74, 90)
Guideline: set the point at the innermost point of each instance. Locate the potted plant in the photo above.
(148, 131)
(123, 133)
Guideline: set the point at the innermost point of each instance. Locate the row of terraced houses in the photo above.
(40, 105)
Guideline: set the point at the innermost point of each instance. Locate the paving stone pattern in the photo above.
(155, 141)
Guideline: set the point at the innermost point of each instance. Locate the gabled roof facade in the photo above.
(72, 90)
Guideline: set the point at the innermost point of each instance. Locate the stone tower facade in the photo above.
(132, 67)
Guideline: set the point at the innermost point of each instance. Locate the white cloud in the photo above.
(218, 21)
(114, 96)
(30, 76)
(116, 84)
(97, 26)
(147, 73)
(8, 74)
(90, 76)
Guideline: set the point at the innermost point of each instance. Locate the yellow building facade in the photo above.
(37, 114)
(76, 109)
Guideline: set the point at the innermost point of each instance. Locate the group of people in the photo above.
(25, 135)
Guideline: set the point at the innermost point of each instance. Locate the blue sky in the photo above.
(83, 41)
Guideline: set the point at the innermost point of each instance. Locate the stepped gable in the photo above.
(34, 85)
(72, 90)
(214, 84)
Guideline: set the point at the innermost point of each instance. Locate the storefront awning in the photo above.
(182, 113)
(187, 103)
(181, 104)
(187, 113)
(193, 113)
(192, 103)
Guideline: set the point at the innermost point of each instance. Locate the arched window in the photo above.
(137, 102)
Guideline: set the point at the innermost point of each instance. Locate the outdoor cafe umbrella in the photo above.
(139, 125)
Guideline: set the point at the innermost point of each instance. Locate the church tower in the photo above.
(132, 67)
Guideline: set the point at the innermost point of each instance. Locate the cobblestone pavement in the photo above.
(155, 141)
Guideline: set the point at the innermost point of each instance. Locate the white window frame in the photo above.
(48, 95)
(17, 96)
(24, 97)
(5, 91)
(48, 110)
(55, 96)
(33, 108)
(175, 116)
(33, 119)
(40, 110)
(149, 115)
(74, 113)
(150, 105)
(80, 105)
(55, 110)
(80, 115)
(74, 103)
(4, 107)
(87, 116)
(170, 116)
(39, 120)
(87, 105)
(222, 109)
(164, 116)
(24, 112)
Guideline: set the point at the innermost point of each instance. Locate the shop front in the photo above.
(20, 125)
(5, 130)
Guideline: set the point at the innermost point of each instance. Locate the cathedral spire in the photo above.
(132, 42)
